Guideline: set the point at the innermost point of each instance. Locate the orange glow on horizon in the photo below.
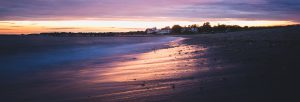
(26, 27)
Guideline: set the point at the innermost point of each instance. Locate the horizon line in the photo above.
(33, 27)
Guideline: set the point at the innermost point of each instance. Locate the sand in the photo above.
(250, 66)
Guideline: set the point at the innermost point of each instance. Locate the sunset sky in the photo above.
(34, 16)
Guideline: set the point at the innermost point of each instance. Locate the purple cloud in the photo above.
(215, 9)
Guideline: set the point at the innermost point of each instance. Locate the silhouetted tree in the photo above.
(206, 27)
(194, 26)
(233, 28)
(220, 28)
(166, 28)
(176, 29)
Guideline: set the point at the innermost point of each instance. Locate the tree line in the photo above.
(220, 28)
(90, 34)
(205, 28)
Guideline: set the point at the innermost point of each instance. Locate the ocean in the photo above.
(29, 54)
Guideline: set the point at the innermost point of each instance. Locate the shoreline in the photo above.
(31, 55)
(245, 67)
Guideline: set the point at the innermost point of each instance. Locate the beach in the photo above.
(246, 66)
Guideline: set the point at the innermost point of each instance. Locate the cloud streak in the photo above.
(63, 28)
(98, 9)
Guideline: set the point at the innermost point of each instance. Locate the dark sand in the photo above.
(251, 66)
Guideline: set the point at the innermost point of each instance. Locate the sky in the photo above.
(35, 16)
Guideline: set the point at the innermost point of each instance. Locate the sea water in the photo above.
(28, 54)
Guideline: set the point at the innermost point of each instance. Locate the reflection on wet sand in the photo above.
(230, 70)
(136, 77)
(156, 65)
(150, 74)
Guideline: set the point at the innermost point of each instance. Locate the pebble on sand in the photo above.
(143, 84)
(173, 86)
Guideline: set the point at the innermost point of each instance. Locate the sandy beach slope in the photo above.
(250, 66)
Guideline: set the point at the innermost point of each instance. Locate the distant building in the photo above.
(166, 30)
(192, 30)
(151, 30)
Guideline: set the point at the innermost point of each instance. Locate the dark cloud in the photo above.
(267, 10)
(16, 26)
(7, 23)
(63, 28)
(5, 29)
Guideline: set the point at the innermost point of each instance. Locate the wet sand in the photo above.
(251, 66)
